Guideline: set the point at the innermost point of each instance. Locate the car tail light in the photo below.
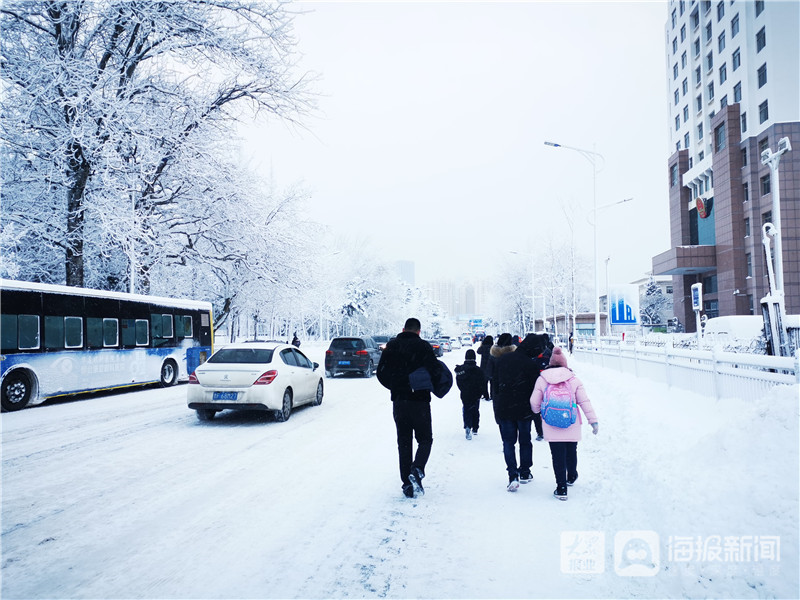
(328, 352)
(193, 378)
(361, 352)
(266, 378)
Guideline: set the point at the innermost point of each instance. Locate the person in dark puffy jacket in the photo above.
(402, 356)
(487, 362)
(472, 383)
(515, 374)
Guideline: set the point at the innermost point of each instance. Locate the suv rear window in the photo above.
(347, 344)
(242, 355)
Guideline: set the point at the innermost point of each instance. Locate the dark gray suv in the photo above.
(352, 355)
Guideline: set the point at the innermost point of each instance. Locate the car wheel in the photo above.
(205, 414)
(370, 369)
(169, 373)
(286, 410)
(318, 397)
(17, 389)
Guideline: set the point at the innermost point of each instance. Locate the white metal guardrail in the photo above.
(713, 372)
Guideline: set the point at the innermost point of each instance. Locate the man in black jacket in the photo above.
(515, 374)
(402, 356)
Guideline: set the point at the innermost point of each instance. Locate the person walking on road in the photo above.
(403, 356)
(472, 383)
(515, 375)
(487, 363)
(563, 440)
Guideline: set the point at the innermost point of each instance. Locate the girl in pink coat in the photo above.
(563, 441)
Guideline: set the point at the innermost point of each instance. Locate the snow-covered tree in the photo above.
(654, 305)
(112, 116)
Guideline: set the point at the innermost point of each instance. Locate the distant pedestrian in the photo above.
(487, 362)
(406, 354)
(472, 383)
(571, 341)
(296, 340)
(515, 375)
(563, 440)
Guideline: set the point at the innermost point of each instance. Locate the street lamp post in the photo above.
(773, 159)
(592, 158)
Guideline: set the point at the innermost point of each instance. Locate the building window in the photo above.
(697, 48)
(763, 111)
(675, 71)
(719, 138)
(747, 227)
(701, 155)
(673, 176)
(683, 32)
(700, 132)
(721, 41)
(695, 18)
(677, 97)
(743, 118)
(736, 59)
(761, 39)
(710, 88)
(766, 185)
(708, 32)
(685, 86)
(762, 75)
(683, 60)
(735, 25)
(710, 284)
(674, 19)
(709, 61)
(699, 102)
(723, 102)
(749, 259)
(682, 5)
(677, 146)
(685, 113)
(720, 10)
(723, 73)
(750, 304)
(744, 157)
(759, 7)
(686, 141)
(677, 122)
(763, 144)
(697, 76)
(746, 192)
(737, 92)
(674, 45)
(766, 217)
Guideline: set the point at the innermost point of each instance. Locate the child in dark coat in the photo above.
(471, 381)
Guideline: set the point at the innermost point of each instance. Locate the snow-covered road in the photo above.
(130, 496)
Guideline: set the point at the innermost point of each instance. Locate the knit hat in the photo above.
(558, 358)
(505, 339)
(470, 355)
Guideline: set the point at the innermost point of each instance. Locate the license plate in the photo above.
(226, 395)
(344, 362)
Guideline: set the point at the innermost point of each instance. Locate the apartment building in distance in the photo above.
(733, 68)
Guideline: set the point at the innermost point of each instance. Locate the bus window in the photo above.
(94, 332)
(155, 327)
(141, 332)
(128, 333)
(8, 328)
(53, 332)
(183, 326)
(166, 326)
(110, 333)
(28, 332)
(73, 332)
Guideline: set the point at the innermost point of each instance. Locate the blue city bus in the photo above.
(58, 340)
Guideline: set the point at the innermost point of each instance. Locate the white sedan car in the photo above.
(264, 376)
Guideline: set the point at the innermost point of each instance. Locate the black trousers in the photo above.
(537, 422)
(472, 413)
(413, 420)
(565, 460)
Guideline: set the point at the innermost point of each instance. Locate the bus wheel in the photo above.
(16, 392)
(169, 373)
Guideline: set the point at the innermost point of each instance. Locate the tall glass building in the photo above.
(733, 71)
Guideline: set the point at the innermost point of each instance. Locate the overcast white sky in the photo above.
(432, 122)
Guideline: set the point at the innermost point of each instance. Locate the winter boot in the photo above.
(561, 492)
(525, 477)
(513, 483)
(408, 490)
(469, 433)
(571, 479)
(415, 477)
